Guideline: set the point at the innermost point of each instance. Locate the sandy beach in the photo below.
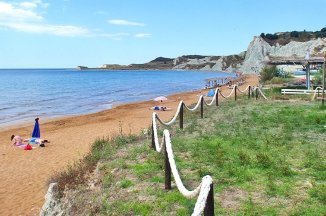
(24, 174)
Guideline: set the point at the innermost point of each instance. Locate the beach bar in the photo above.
(305, 62)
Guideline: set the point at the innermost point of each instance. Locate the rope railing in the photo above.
(233, 89)
(318, 90)
(205, 199)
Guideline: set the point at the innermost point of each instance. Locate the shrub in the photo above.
(271, 36)
(294, 34)
(277, 80)
(318, 77)
(268, 72)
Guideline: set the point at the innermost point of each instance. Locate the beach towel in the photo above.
(23, 146)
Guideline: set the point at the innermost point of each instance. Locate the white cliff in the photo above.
(259, 50)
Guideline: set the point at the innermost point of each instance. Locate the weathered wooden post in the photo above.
(202, 107)
(153, 138)
(209, 206)
(235, 92)
(249, 89)
(216, 97)
(181, 116)
(257, 93)
(167, 169)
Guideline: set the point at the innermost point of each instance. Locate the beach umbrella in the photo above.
(211, 93)
(160, 98)
(36, 131)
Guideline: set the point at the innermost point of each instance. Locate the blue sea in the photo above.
(47, 93)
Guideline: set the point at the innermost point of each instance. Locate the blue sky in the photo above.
(67, 33)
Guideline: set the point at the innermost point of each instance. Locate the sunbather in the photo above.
(16, 140)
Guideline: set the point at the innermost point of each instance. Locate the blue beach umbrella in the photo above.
(211, 93)
(36, 132)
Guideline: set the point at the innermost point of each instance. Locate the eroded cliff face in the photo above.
(259, 51)
(252, 60)
(216, 63)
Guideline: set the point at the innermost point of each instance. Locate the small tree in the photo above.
(318, 77)
(268, 72)
(294, 34)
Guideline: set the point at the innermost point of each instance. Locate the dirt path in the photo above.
(24, 174)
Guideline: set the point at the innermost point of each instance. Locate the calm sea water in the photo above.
(27, 93)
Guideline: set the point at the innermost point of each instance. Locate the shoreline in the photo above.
(25, 174)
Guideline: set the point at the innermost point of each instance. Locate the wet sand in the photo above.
(24, 174)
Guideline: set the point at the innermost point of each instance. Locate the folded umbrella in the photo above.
(36, 131)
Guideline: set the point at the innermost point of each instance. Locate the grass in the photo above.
(265, 157)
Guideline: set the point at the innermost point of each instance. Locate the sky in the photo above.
(67, 33)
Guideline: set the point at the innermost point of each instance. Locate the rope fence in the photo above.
(205, 192)
(317, 93)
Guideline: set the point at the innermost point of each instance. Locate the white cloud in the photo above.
(10, 12)
(60, 30)
(28, 5)
(26, 16)
(142, 35)
(22, 17)
(125, 22)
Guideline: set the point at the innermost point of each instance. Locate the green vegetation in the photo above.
(318, 77)
(285, 37)
(265, 158)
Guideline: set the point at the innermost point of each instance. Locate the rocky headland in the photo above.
(261, 49)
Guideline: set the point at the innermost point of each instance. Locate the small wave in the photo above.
(6, 108)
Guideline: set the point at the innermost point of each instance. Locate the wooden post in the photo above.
(308, 76)
(153, 139)
(202, 107)
(217, 97)
(209, 206)
(318, 92)
(167, 169)
(249, 89)
(181, 116)
(235, 92)
(257, 93)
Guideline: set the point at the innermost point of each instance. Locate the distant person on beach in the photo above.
(16, 140)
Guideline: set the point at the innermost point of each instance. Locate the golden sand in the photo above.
(24, 174)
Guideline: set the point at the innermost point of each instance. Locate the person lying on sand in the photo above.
(16, 140)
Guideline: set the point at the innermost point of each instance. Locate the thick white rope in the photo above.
(244, 91)
(158, 146)
(261, 93)
(202, 198)
(214, 98)
(229, 94)
(197, 105)
(183, 190)
(316, 91)
(174, 117)
(202, 189)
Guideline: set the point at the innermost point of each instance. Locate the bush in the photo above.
(268, 73)
(318, 77)
(271, 36)
(277, 80)
(294, 34)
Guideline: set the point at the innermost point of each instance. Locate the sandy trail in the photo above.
(24, 174)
